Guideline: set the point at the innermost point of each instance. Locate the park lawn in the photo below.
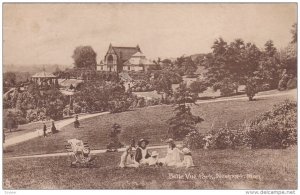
(148, 122)
(257, 169)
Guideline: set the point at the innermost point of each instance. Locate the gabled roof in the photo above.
(43, 74)
(138, 54)
(125, 53)
(139, 61)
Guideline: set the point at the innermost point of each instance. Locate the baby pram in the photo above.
(79, 152)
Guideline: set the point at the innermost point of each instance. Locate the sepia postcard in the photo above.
(150, 96)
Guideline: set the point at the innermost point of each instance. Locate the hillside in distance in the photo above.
(32, 69)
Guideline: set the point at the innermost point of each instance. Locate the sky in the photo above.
(49, 33)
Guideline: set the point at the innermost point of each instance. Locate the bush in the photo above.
(223, 138)
(12, 118)
(194, 140)
(292, 83)
(265, 87)
(282, 85)
(274, 129)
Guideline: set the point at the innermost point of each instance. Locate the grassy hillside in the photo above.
(215, 169)
(149, 122)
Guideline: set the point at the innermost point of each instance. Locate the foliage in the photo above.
(85, 57)
(292, 83)
(274, 129)
(142, 86)
(103, 96)
(9, 79)
(252, 87)
(198, 86)
(194, 140)
(184, 121)
(114, 137)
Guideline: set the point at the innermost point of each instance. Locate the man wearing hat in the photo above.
(142, 155)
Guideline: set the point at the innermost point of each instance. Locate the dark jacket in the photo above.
(139, 155)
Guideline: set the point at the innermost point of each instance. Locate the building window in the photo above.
(110, 59)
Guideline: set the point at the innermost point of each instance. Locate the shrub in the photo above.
(12, 118)
(223, 138)
(114, 138)
(274, 129)
(77, 108)
(194, 140)
(292, 83)
(282, 85)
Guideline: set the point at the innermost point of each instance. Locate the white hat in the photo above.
(154, 153)
(186, 150)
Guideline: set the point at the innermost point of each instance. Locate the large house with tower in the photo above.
(118, 59)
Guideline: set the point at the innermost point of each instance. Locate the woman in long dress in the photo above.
(173, 155)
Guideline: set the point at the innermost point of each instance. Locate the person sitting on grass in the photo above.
(153, 160)
(173, 155)
(127, 159)
(187, 159)
(142, 155)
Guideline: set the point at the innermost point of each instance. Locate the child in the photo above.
(153, 160)
(187, 159)
(127, 159)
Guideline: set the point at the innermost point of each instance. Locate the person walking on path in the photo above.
(44, 130)
(53, 128)
(76, 122)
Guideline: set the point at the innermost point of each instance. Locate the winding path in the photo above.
(39, 132)
(63, 123)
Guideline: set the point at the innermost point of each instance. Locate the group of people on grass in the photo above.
(140, 156)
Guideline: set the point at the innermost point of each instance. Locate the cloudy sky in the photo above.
(48, 33)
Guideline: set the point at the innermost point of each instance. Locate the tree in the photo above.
(270, 65)
(114, 143)
(9, 79)
(252, 87)
(198, 86)
(163, 84)
(184, 122)
(85, 57)
(294, 33)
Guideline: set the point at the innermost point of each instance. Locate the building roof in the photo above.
(69, 82)
(139, 61)
(138, 54)
(124, 53)
(43, 74)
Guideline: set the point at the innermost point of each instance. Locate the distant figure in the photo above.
(45, 129)
(53, 128)
(76, 122)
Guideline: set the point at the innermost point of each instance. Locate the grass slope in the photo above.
(149, 122)
(259, 169)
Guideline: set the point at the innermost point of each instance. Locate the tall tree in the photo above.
(184, 122)
(85, 57)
